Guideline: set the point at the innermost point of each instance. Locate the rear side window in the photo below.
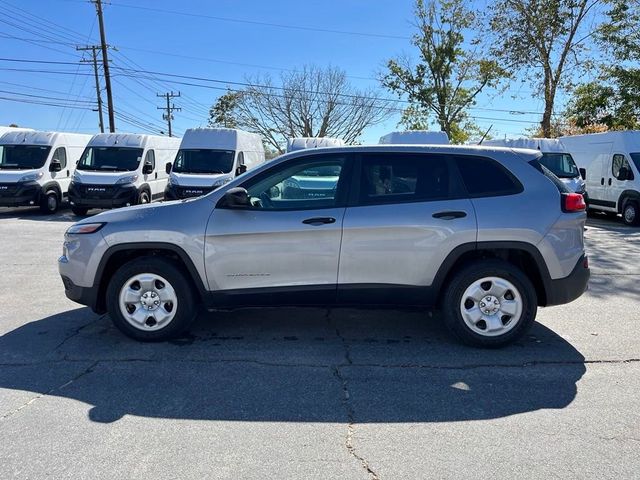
(484, 177)
(562, 188)
(399, 177)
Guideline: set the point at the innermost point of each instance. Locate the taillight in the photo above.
(573, 202)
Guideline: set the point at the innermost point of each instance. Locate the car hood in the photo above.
(200, 179)
(12, 176)
(100, 178)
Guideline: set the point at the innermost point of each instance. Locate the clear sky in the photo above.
(223, 40)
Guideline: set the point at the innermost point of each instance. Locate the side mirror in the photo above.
(147, 168)
(583, 173)
(241, 169)
(167, 168)
(236, 197)
(55, 166)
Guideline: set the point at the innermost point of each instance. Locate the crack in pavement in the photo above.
(86, 371)
(77, 332)
(346, 401)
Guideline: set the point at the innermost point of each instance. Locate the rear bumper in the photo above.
(565, 290)
(116, 197)
(20, 194)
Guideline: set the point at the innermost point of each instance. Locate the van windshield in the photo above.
(23, 157)
(636, 159)
(204, 161)
(561, 164)
(110, 159)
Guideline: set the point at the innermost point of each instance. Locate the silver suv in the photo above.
(485, 234)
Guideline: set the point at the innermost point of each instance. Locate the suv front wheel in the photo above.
(150, 299)
(490, 303)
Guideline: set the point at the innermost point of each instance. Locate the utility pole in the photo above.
(168, 116)
(93, 49)
(105, 65)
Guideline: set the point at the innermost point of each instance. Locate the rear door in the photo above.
(289, 240)
(408, 214)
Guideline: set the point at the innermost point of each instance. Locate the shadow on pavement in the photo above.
(290, 365)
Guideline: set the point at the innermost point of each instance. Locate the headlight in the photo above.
(129, 179)
(84, 228)
(76, 178)
(31, 177)
(221, 182)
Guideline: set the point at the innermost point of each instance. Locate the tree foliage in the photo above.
(311, 102)
(544, 40)
(451, 71)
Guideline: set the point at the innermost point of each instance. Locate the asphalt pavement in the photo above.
(315, 393)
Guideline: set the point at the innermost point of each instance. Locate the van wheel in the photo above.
(79, 211)
(150, 299)
(144, 198)
(49, 202)
(490, 304)
(631, 213)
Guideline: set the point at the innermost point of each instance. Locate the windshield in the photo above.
(636, 159)
(204, 161)
(23, 157)
(111, 159)
(561, 164)
(321, 171)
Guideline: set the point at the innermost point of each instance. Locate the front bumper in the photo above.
(177, 192)
(20, 194)
(83, 295)
(565, 290)
(102, 196)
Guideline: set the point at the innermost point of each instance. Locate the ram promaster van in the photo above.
(304, 143)
(36, 167)
(209, 158)
(4, 129)
(415, 137)
(554, 156)
(611, 163)
(121, 169)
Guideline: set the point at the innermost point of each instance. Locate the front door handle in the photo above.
(609, 181)
(449, 215)
(602, 181)
(319, 220)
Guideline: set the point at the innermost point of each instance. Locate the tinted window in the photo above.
(484, 177)
(399, 177)
(23, 157)
(562, 188)
(299, 185)
(61, 155)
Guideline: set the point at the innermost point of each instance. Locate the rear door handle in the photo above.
(319, 220)
(449, 215)
(609, 181)
(602, 181)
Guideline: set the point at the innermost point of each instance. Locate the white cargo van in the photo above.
(4, 129)
(36, 167)
(209, 158)
(415, 137)
(554, 156)
(121, 169)
(303, 143)
(611, 163)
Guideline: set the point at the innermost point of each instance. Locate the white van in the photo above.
(554, 156)
(36, 167)
(121, 169)
(611, 165)
(209, 158)
(4, 129)
(415, 137)
(303, 143)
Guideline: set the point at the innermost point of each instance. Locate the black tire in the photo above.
(465, 278)
(631, 213)
(186, 305)
(49, 202)
(144, 197)
(79, 211)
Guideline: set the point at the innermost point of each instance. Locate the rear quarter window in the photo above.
(562, 188)
(484, 177)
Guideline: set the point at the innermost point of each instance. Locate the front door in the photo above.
(289, 239)
(617, 183)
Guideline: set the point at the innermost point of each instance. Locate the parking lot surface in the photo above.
(315, 393)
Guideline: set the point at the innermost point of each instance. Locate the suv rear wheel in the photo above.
(150, 299)
(489, 304)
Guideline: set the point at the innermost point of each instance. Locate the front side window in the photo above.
(61, 155)
(204, 161)
(150, 157)
(110, 159)
(561, 164)
(23, 157)
(619, 162)
(400, 177)
(299, 185)
(484, 177)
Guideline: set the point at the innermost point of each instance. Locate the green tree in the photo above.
(451, 71)
(543, 40)
(223, 112)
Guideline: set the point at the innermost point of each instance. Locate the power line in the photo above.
(105, 64)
